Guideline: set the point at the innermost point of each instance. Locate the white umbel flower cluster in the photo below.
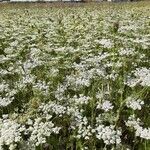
(108, 134)
(134, 104)
(133, 122)
(106, 43)
(106, 105)
(80, 100)
(41, 86)
(84, 130)
(40, 130)
(10, 133)
(52, 107)
(139, 130)
(143, 132)
(6, 94)
(126, 52)
(142, 77)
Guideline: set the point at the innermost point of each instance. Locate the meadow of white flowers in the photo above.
(75, 78)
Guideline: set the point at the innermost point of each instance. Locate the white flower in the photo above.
(80, 100)
(134, 104)
(133, 122)
(84, 130)
(139, 130)
(7, 94)
(106, 105)
(108, 134)
(52, 107)
(127, 52)
(142, 77)
(10, 133)
(40, 130)
(143, 132)
(106, 43)
(42, 86)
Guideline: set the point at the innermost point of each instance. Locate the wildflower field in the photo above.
(75, 78)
